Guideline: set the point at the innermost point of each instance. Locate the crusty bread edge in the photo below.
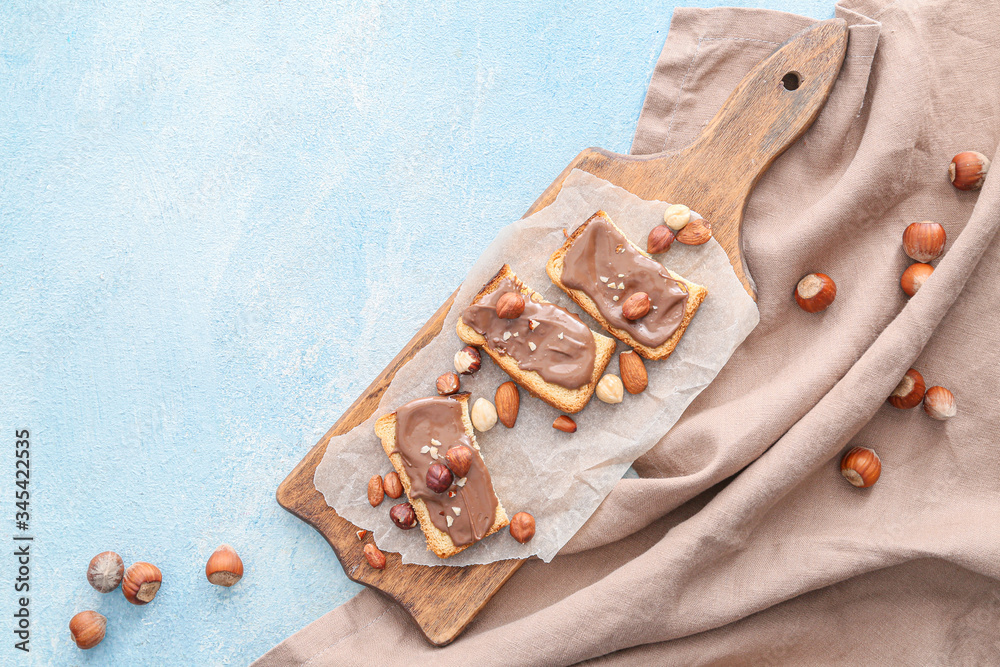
(437, 540)
(567, 400)
(696, 295)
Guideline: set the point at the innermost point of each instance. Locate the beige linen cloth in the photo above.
(741, 543)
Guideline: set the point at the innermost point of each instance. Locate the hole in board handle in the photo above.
(791, 81)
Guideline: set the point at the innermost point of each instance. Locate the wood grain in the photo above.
(714, 176)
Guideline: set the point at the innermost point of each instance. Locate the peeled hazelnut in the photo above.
(939, 403)
(633, 371)
(659, 239)
(439, 478)
(376, 492)
(88, 628)
(565, 424)
(861, 467)
(522, 527)
(677, 216)
(914, 277)
(141, 582)
(967, 170)
(815, 292)
(508, 403)
(636, 306)
(924, 241)
(393, 487)
(224, 566)
(696, 232)
(403, 516)
(459, 460)
(448, 384)
(610, 389)
(467, 360)
(375, 557)
(510, 305)
(105, 571)
(484, 415)
(909, 392)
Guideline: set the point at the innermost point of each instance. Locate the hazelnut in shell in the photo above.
(815, 292)
(141, 582)
(924, 241)
(448, 384)
(224, 566)
(861, 467)
(939, 403)
(87, 629)
(105, 571)
(909, 392)
(968, 169)
(914, 277)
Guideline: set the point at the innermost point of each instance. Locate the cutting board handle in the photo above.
(771, 107)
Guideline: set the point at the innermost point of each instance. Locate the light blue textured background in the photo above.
(220, 220)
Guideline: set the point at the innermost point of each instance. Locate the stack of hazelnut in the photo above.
(140, 584)
(923, 242)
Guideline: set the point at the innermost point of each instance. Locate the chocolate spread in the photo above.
(546, 339)
(426, 429)
(602, 264)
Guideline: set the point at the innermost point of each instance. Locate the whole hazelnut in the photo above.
(939, 403)
(374, 557)
(610, 389)
(676, 217)
(448, 384)
(403, 516)
(914, 278)
(909, 392)
(565, 424)
(483, 415)
(522, 527)
(224, 566)
(510, 305)
(467, 360)
(967, 170)
(105, 571)
(376, 492)
(88, 629)
(815, 292)
(861, 467)
(141, 582)
(924, 241)
(459, 460)
(439, 477)
(659, 239)
(393, 487)
(636, 306)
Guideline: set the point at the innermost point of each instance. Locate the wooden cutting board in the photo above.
(773, 105)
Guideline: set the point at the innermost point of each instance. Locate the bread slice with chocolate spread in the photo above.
(695, 294)
(569, 399)
(438, 541)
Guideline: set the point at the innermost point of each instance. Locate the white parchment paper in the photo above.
(559, 478)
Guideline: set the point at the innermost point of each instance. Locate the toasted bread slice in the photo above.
(696, 295)
(438, 541)
(567, 400)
